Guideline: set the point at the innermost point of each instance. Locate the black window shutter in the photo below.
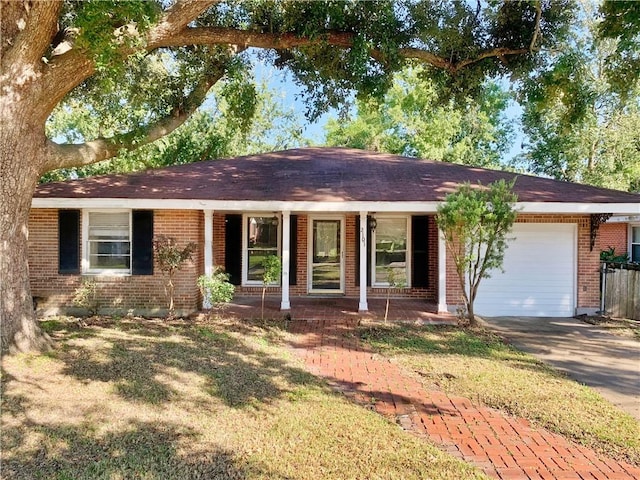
(368, 233)
(233, 248)
(293, 250)
(142, 242)
(420, 251)
(68, 241)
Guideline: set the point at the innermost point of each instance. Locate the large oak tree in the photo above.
(143, 68)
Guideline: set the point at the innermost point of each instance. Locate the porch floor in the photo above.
(339, 309)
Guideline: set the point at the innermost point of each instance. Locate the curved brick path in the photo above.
(502, 446)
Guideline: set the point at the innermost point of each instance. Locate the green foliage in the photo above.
(475, 222)
(272, 268)
(579, 127)
(621, 22)
(129, 93)
(610, 255)
(104, 26)
(215, 131)
(411, 120)
(270, 275)
(216, 289)
(170, 259)
(86, 296)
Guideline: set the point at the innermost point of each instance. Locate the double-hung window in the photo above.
(109, 242)
(635, 243)
(391, 256)
(261, 240)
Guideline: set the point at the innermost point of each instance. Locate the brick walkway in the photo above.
(504, 447)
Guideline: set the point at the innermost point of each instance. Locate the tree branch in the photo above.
(536, 30)
(245, 38)
(176, 18)
(72, 155)
(27, 30)
(69, 69)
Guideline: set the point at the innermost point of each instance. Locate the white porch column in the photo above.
(286, 260)
(442, 273)
(363, 305)
(208, 247)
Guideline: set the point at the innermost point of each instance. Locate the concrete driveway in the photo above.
(586, 353)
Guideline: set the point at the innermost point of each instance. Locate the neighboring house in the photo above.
(338, 218)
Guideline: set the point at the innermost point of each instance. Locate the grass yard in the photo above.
(151, 400)
(476, 364)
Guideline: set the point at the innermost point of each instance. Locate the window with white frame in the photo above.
(261, 240)
(109, 242)
(635, 243)
(390, 238)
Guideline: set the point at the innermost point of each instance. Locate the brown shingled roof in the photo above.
(320, 174)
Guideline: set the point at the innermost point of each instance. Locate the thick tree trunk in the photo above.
(21, 149)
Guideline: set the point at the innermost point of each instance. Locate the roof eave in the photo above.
(319, 206)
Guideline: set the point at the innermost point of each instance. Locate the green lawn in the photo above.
(151, 400)
(478, 365)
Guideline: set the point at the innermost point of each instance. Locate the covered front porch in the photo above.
(339, 309)
(341, 252)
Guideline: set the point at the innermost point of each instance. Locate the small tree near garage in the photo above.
(475, 221)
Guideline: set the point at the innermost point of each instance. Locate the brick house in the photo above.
(338, 218)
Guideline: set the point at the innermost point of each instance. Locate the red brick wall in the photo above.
(139, 293)
(588, 261)
(147, 292)
(613, 235)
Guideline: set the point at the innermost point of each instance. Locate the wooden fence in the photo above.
(621, 290)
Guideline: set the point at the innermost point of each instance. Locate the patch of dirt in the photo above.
(622, 327)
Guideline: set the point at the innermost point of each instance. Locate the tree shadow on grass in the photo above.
(138, 359)
(144, 450)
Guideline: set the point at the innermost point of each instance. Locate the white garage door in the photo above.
(539, 274)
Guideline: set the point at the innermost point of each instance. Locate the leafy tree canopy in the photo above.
(216, 130)
(621, 23)
(580, 126)
(412, 120)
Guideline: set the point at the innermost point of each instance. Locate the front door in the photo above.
(326, 272)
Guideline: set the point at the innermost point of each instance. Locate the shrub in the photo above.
(86, 296)
(216, 289)
(271, 274)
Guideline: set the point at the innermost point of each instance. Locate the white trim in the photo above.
(576, 280)
(84, 242)
(208, 249)
(624, 219)
(409, 247)
(285, 304)
(310, 206)
(442, 273)
(630, 242)
(245, 245)
(310, 288)
(363, 306)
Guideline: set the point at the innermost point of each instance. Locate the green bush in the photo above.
(216, 289)
(86, 296)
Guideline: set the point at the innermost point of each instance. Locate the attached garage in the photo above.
(539, 278)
